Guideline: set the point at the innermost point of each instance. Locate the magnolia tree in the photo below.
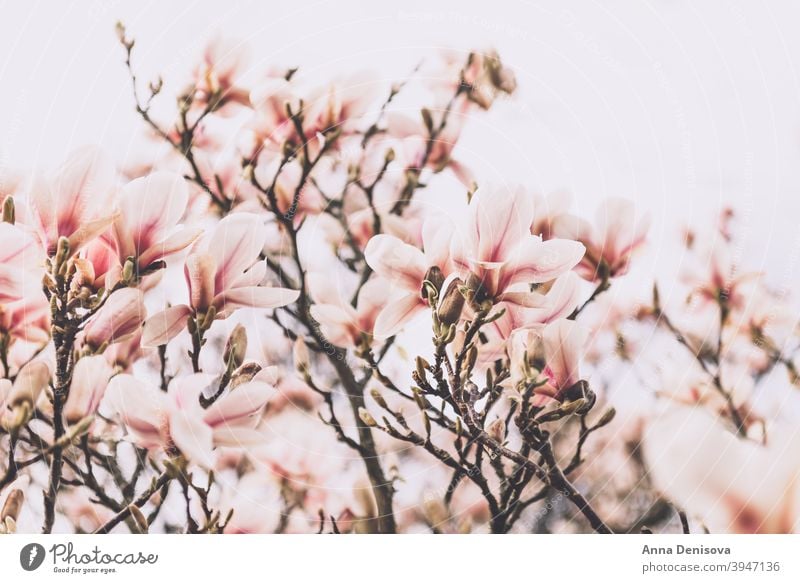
(274, 319)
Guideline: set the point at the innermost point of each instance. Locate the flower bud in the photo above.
(139, 519)
(29, 384)
(121, 316)
(89, 381)
(366, 418)
(301, 357)
(497, 430)
(435, 277)
(378, 398)
(451, 302)
(607, 417)
(9, 212)
(236, 347)
(12, 506)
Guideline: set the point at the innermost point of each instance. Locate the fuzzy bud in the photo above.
(451, 302)
(497, 430)
(139, 519)
(378, 398)
(366, 418)
(12, 506)
(9, 212)
(302, 360)
(236, 347)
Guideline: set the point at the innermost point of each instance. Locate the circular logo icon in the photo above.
(31, 556)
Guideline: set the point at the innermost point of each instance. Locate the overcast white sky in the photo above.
(682, 106)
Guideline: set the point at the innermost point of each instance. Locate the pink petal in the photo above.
(396, 314)
(200, 269)
(139, 405)
(336, 322)
(536, 261)
(172, 244)
(500, 220)
(164, 326)
(193, 437)
(563, 342)
(240, 405)
(149, 207)
(254, 297)
(82, 187)
(235, 246)
(398, 262)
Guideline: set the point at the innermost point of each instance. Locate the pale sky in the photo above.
(678, 105)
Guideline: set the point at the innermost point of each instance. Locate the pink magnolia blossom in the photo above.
(175, 420)
(562, 343)
(414, 142)
(218, 75)
(76, 203)
(89, 381)
(731, 484)
(526, 310)
(27, 319)
(341, 323)
(271, 125)
(120, 317)
(223, 273)
(99, 265)
(149, 210)
(406, 267)
(610, 242)
(20, 274)
(340, 104)
(497, 247)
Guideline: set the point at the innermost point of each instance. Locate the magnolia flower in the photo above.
(416, 147)
(341, 323)
(27, 319)
(89, 381)
(488, 78)
(271, 124)
(18, 400)
(217, 76)
(407, 267)
(176, 422)
(340, 104)
(610, 242)
(525, 310)
(563, 342)
(18, 261)
(498, 250)
(120, 317)
(149, 210)
(77, 202)
(730, 484)
(223, 273)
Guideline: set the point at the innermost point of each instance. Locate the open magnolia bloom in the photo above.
(176, 422)
(610, 241)
(77, 202)
(217, 77)
(550, 357)
(149, 210)
(223, 273)
(496, 249)
(406, 267)
(728, 483)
